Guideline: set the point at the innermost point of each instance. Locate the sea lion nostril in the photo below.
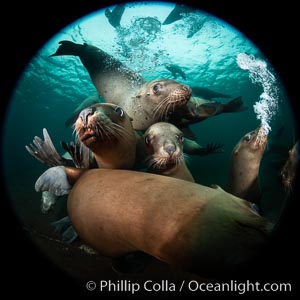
(85, 113)
(170, 148)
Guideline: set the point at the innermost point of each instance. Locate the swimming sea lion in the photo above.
(289, 171)
(163, 143)
(106, 130)
(145, 102)
(198, 109)
(107, 141)
(244, 166)
(174, 69)
(177, 13)
(197, 228)
(206, 93)
(114, 16)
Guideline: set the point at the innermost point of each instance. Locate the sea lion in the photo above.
(289, 171)
(174, 69)
(107, 141)
(114, 16)
(206, 93)
(145, 102)
(106, 130)
(163, 144)
(198, 109)
(177, 13)
(197, 228)
(244, 166)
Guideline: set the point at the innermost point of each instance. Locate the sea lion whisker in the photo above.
(160, 105)
(167, 110)
(162, 110)
(122, 133)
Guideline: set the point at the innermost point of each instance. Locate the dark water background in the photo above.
(30, 111)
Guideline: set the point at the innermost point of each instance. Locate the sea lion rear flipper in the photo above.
(114, 16)
(68, 48)
(55, 181)
(234, 105)
(45, 152)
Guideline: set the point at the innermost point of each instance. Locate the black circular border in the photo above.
(29, 24)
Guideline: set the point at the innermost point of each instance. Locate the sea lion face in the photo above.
(289, 170)
(165, 95)
(255, 142)
(164, 145)
(102, 123)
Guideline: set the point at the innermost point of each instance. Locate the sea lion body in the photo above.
(289, 170)
(198, 109)
(163, 145)
(145, 102)
(194, 227)
(244, 166)
(207, 93)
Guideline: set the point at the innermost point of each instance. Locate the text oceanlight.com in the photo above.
(185, 285)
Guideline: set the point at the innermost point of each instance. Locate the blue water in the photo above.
(51, 87)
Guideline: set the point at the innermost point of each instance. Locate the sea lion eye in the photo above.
(119, 111)
(180, 138)
(247, 138)
(147, 140)
(156, 88)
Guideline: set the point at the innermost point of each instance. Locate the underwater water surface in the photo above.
(205, 48)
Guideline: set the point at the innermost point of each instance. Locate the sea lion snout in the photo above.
(184, 90)
(84, 114)
(170, 148)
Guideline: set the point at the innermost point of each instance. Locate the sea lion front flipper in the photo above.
(55, 181)
(65, 228)
(48, 200)
(69, 236)
(45, 152)
(79, 153)
(61, 225)
(193, 148)
(234, 105)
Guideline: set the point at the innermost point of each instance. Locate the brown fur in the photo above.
(244, 166)
(184, 224)
(161, 136)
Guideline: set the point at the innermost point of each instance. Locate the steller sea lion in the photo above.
(199, 229)
(163, 145)
(177, 13)
(244, 166)
(289, 170)
(105, 129)
(207, 93)
(145, 102)
(114, 16)
(174, 69)
(198, 109)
